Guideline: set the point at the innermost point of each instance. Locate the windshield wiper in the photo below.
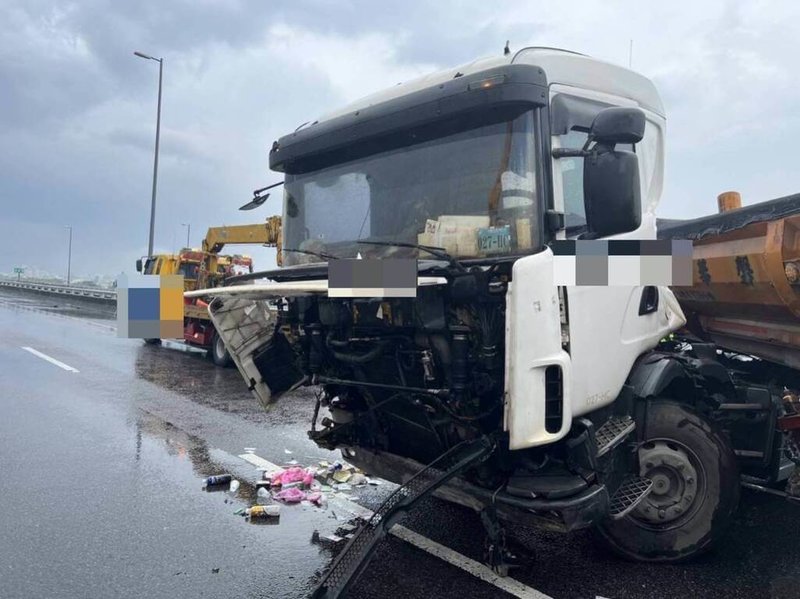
(310, 253)
(438, 252)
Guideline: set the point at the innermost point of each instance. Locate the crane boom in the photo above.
(267, 234)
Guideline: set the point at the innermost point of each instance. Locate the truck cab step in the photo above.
(612, 433)
(629, 494)
(551, 486)
(355, 556)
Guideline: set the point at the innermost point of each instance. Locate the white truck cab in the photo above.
(560, 391)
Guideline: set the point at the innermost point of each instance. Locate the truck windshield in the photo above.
(467, 186)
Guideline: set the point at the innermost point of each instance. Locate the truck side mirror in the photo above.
(612, 192)
(618, 126)
(139, 265)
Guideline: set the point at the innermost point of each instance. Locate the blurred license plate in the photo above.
(494, 240)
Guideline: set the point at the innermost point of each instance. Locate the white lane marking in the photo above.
(477, 569)
(260, 463)
(481, 571)
(49, 359)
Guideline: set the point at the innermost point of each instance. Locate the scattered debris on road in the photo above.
(294, 485)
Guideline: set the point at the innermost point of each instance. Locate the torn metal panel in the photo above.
(717, 224)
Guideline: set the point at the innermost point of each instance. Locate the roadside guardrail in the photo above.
(104, 295)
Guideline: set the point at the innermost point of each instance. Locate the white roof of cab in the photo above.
(560, 66)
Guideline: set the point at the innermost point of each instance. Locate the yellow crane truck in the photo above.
(205, 268)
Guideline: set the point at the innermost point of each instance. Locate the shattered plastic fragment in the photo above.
(287, 452)
(341, 476)
(331, 538)
(234, 487)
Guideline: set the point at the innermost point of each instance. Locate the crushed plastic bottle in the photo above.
(264, 511)
(263, 497)
(219, 479)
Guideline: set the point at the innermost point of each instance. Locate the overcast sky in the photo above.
(77, 118)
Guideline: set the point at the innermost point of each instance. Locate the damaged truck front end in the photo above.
(403, 380)
(477, 351)
(486, 353)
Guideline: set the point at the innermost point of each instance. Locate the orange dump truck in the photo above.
(746, 291)
(744, 310)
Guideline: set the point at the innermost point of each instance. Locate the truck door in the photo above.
(609, 326)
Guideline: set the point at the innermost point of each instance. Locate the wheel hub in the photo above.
(675, 482)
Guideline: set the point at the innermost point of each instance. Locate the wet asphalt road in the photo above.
(100, 480)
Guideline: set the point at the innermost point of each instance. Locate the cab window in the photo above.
(150, 266)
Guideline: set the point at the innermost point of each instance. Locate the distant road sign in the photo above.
(18, 270)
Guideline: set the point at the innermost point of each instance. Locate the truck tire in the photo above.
(219, 353)
(695, 489)
(153, 341)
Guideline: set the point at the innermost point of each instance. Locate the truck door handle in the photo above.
(649, 301)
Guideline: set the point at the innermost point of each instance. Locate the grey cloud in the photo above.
(79, 110)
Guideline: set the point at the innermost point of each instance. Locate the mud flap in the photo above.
(355, 556)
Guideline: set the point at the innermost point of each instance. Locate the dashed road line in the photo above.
(509, 585)
(468, 565)
(50, 359)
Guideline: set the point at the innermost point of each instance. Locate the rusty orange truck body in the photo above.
(746, 279)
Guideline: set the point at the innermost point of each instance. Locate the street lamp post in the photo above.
(69, 255)
(160, 62)
(188, 231)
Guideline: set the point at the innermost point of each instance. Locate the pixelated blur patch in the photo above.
(150, 306)
(622, 262)
(387, 277)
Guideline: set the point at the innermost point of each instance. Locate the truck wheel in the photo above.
(219, 353)
(695, 489)
(153, 341)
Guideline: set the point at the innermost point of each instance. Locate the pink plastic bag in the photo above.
(315, 498)
(291, 475)
(292, 495)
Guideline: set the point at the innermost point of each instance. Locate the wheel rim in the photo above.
(679, 483)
